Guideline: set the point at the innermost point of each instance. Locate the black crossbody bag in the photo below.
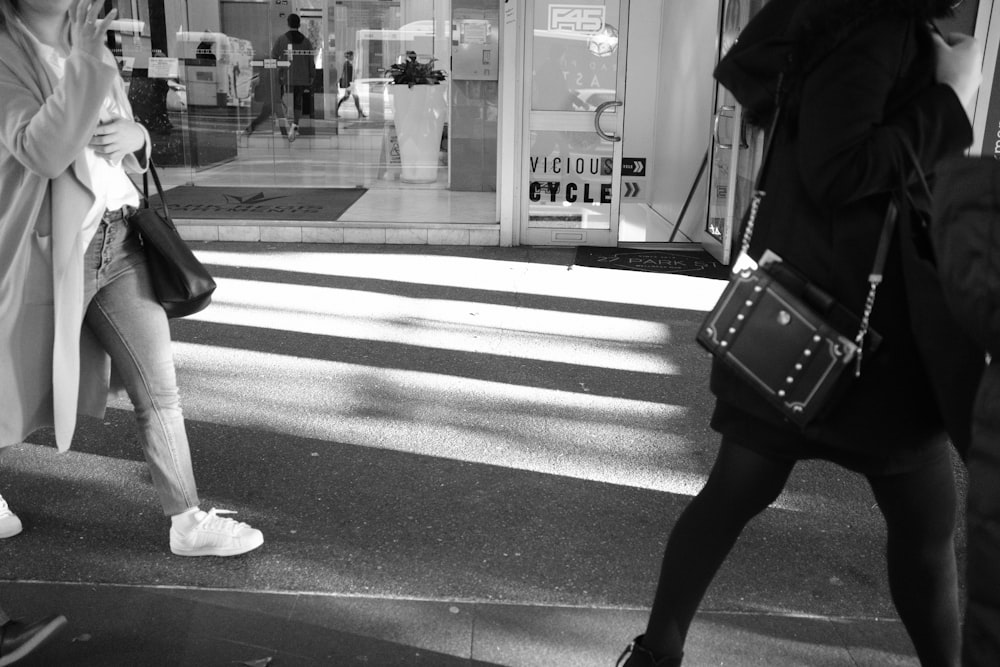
(783, 335)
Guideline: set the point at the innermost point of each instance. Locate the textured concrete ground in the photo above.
(455, 454)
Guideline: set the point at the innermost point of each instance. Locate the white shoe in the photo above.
(10, 525)
(293, 131)
(213, 535)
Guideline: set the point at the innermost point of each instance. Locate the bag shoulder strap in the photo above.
(758, 189)
(885, 238)
(145, 189)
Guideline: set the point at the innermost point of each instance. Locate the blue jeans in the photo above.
(126, 318)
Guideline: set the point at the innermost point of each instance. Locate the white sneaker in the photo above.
(10, 525)
(213, 535)
(293, 132)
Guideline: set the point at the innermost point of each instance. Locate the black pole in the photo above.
(158, 27)
(697, 180)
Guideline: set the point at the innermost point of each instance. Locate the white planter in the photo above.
(419, 114)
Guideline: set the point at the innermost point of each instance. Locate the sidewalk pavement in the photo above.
(169, 626)
(457, 456)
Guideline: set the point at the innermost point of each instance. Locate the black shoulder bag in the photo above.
(784, 335)
(182, 284)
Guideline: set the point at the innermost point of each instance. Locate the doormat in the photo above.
(683, 262)
(215, 203)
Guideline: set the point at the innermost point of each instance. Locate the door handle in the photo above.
(726, 111)
(723, 112)
(598, 112)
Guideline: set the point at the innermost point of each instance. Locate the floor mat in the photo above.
(685, 262)
(214, 203)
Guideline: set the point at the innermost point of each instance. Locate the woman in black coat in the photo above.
(966, 235)
(864, 78)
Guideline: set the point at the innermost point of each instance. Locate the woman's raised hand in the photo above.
(114, 139)
(960, 64)
(87, 32)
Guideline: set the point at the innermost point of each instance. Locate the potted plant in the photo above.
(419, 113)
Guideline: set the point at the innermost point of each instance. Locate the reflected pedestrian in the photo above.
(296, 79)
(347, 83)
(266, 91)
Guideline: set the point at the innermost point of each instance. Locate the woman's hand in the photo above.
(959, 65)
(117, 138)
(86, 32)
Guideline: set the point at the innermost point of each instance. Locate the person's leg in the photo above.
(293, 128)
(297, 94)
(265, 114)
(357, 105)
(10, 523)
(131, 325)
(920, 514)
(741, 485)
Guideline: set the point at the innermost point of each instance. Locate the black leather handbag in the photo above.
(784, 335)
(182, 284)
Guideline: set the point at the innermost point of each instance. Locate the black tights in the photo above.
(919, 510)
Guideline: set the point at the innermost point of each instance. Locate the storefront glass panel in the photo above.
(570, 183)
(231, 99)
(574, 126)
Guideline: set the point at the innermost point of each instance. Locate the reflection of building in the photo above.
(618, 94)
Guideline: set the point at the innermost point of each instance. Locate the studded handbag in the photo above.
(784, 335)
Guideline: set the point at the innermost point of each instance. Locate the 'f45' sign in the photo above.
(576, 18)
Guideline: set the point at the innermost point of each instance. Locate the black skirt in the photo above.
(788, 443)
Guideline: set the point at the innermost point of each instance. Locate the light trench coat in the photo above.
(51, 367)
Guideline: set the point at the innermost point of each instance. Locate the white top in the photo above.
(111, 185)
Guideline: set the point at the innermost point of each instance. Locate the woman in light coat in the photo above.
(75, 293)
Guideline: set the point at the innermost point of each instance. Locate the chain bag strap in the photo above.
(781, 335)
(888, 226)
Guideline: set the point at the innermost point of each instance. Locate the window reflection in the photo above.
(220, 102)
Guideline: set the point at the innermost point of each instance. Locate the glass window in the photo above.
(294, 93)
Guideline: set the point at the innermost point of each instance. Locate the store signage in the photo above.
(584, 165)
(576, 18)
(571, 193)
(633, 166)
(630, 189)
(163, 68)
(991, 138)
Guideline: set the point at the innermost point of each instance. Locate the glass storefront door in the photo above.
(572, 107)
(735, 147)
(619, 123)
(295, 94)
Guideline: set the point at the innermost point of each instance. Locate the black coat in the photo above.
(966, 234)
(838, 155)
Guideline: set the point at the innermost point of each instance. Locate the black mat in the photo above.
(214, 203)
(684, 262)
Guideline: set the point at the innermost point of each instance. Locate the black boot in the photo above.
(639, 656)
